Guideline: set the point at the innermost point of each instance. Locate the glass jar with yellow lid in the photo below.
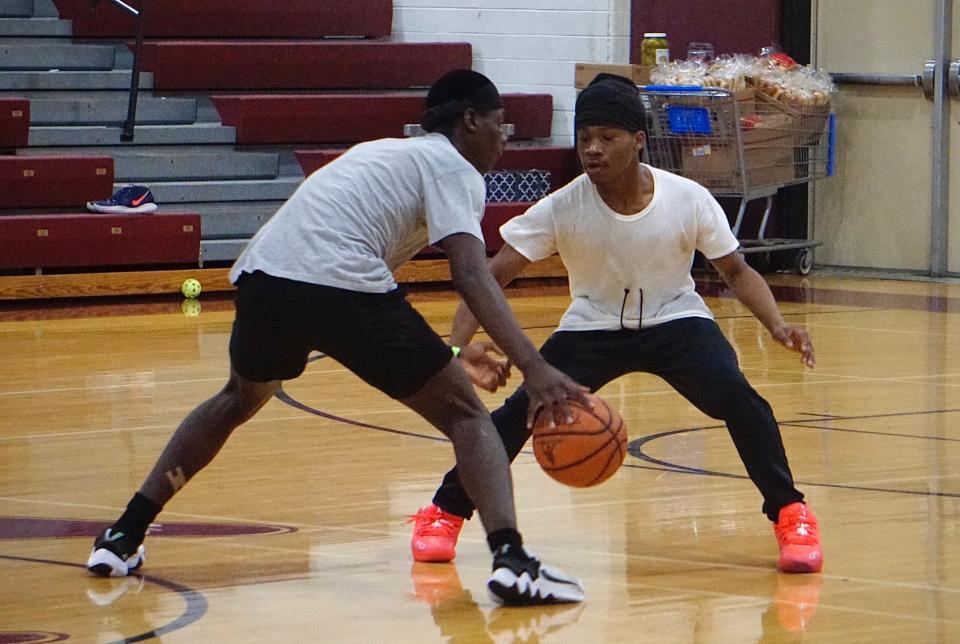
(654, 49)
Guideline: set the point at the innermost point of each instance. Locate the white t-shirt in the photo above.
(625, 270)
(353, 221)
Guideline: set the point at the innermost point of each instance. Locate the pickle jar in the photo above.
(655, 49)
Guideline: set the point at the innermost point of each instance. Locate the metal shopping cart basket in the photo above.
(743, 145)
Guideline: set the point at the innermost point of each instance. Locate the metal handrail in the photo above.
(128, 125)
(846, 78)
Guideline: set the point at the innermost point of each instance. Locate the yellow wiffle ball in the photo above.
(191, 288)
(190, 308)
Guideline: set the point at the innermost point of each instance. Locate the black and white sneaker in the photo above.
(115, 554)
(521, 580)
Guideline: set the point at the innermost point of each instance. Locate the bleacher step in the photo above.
(137, 165)
(221, 250)
(151, 110)
(179, 192)
(56, 56)
(229, 220)
(35, 27)
(16, 8)
(117, 79)
(185, 134)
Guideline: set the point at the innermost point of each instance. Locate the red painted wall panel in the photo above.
(733, 26)
(218, 65)
(233, 19)
(54, 182)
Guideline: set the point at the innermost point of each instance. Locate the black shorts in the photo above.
(377, 336)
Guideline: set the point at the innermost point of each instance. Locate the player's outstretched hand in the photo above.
(797, 339)
(486, 371)
(552, 389)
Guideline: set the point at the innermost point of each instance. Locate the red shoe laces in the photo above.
(432, 522)
(799, 528)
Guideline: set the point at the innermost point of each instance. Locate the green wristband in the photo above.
(456, 351)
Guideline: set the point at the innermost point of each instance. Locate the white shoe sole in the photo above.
(550, 587)
(104, 563)
(143, 208)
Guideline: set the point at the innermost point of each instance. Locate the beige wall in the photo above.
(875, 212)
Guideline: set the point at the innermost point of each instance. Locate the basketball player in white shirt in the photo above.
(627, 233)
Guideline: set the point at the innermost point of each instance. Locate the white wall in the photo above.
(525, 46)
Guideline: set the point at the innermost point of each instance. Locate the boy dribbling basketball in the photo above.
(635, 309)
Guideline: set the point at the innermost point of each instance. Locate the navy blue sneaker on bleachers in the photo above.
(128, 199)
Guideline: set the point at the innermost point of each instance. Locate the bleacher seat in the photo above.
(54, 181)
(351, 118)
(227, 65)
(14, 123)
(234, 19)
(495, 216)
(561, 163)
(85, 240)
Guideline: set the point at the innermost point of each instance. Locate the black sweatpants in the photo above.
(694, 357)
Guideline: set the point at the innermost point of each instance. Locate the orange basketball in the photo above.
(585, 452)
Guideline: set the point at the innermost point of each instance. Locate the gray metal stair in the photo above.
(36, 27)
(221, 250)
(62, 108)
(56, 56)
(16, 8)
(179, 192)
(229, 220)
(197, 163)
(78, 97)
(185, 134)
(116, 79)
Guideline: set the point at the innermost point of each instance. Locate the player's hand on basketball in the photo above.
(552, 390)
(486, 371)
(797, 339)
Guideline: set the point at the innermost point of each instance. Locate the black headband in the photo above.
(455, 93)
(610, 100)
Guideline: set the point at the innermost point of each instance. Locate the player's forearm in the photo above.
(488, 307)
(754, 293)
(465, 326)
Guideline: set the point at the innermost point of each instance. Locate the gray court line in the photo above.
(195, 609)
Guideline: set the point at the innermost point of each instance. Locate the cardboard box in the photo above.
(586, 72)
(768, 158)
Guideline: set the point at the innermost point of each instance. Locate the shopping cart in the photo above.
(744, 145)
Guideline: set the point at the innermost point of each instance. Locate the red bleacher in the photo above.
(234, 19)
(54, 181)
(562, 163)
(495, 216)
(363, 64)
(351, 118)
(14, 123)
(78, 240)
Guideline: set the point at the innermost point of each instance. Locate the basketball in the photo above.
(583, 453)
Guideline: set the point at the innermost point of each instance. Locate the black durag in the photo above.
(610, 100)
(456, 92)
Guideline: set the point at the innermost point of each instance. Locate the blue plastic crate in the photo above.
(689, 120)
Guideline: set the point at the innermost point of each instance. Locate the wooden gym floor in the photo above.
(296, 532)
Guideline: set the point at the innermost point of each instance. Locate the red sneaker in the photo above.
(799, 537)
(435, 535)
(796, 601)
(435, 584)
